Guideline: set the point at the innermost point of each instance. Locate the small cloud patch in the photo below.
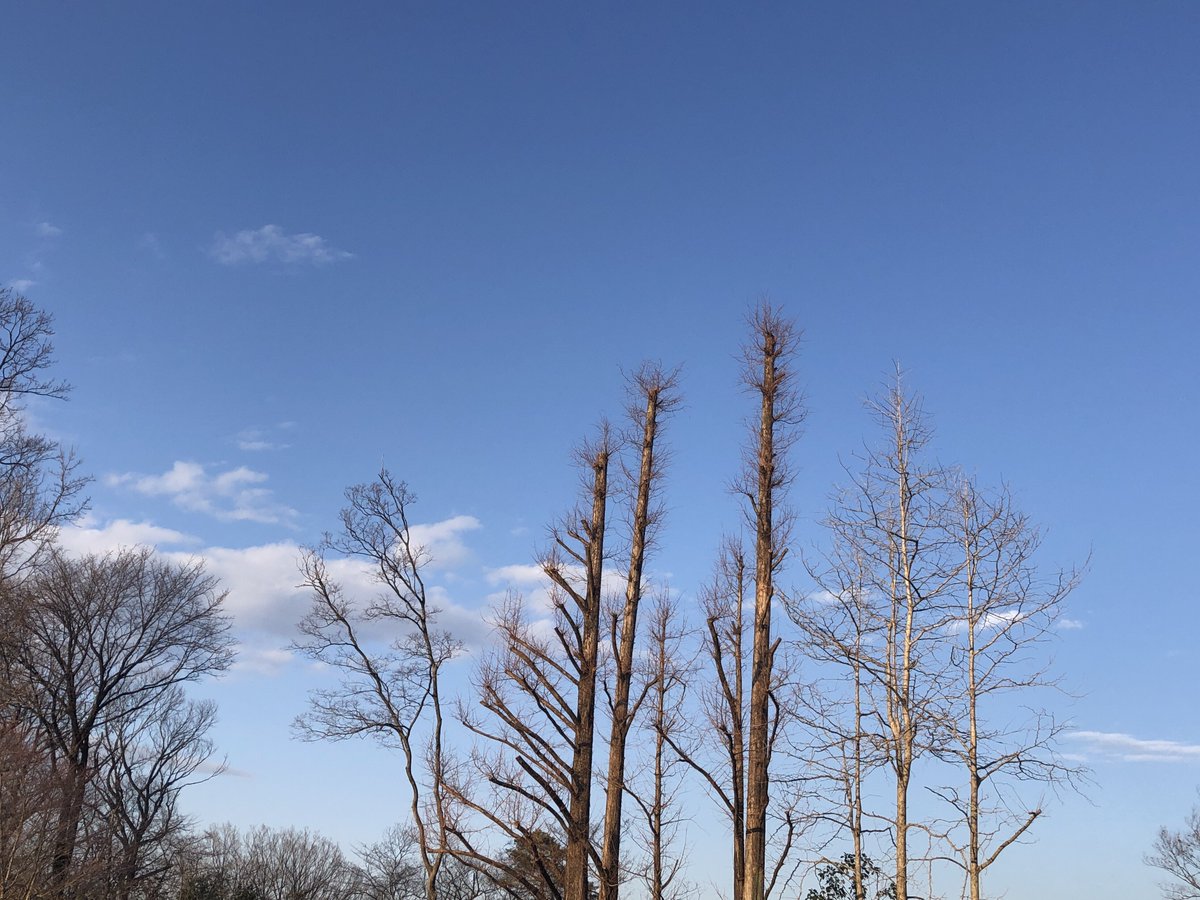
(272, 244)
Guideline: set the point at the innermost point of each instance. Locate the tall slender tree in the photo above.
(769, 376)
(668, 673)
(389, 690)
(1005, 608)
(653, 398)
(892, 578)
(538, 693)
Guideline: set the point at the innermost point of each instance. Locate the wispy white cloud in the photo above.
(21, 285)
(522, 575)
(1127, 748)
(271, 244)
(1070, 624)
(258, 439)
(88, 535)
(235, 495)
(47, 230)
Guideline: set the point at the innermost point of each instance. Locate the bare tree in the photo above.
(769, 376)
(667, 676)
(724, 702)
(99, 643)
(39, 485)
(539, 694)
(296, 864)
(654, 397)
(719, 753)
(145, 761)
(391, 867)
(1005, 610)
(838, 626)
(385, 692)
(267, 863)
(892, 574)
(28, 785)
(1178, 854)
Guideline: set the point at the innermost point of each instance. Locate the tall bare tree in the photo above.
(539, 695)
(668, 673)
(892, 577)
(653, 397)
(717, 748)
(389, 688)
(724, 702)
(99, 642)
(769, 376)
(743, 704)
(1005, 609)
(838, 625)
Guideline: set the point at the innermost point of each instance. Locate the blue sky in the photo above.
(286, 243)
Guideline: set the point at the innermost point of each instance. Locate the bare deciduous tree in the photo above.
(386, 692)
(39, 485)
(1005, 609)
(838, 624)
(268, 864)
(539, 693)
(768, 374)
(99, 643)
(654, 397)
(28, 786)
(145, 761)
(1178, 854)
(667, 676)
(719, 752)
(891, 576)
(724, 702)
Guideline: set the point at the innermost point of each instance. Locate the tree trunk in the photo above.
(622, 719)
(765, 560)
(579, 826)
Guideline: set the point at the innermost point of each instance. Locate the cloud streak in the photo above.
(271, 244)
(1120, 747)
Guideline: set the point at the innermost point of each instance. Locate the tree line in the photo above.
(884, 730)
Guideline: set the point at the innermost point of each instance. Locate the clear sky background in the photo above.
(286, 243)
